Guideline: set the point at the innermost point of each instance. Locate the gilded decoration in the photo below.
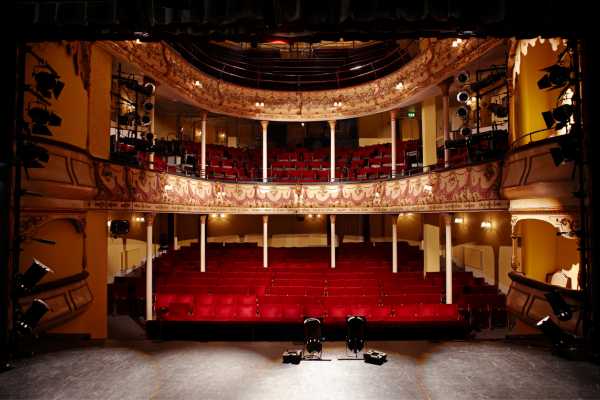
(434, 64)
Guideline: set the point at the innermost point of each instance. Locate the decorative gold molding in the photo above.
(434, 64)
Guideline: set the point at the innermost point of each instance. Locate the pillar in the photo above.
(264, 125)
(203, 146)
(149, 294)
(394, 244)
(445, 86)
(428, 133)
(393, 134)
(172, 231)
(448, 222)
(332, 151)
(265, 241)
(332, 241)
(203, 243)
(514, 257)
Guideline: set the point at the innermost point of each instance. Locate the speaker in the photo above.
(375, 357)
(119, 227)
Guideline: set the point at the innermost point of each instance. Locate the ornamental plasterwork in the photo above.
(566, 223)
(437, 61)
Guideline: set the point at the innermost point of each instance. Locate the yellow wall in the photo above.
(429, 132)
(543, 251)
(99, 103)
(529, 100)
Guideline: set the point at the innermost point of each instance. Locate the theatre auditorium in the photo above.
(335, 199)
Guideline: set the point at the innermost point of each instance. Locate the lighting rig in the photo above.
(27, 153)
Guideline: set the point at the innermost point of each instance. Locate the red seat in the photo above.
(204, 312)
(271, 312)
(337, 313)
(224, 313)
(380, 314)
(313, 310)
(204, 299)
(292, 312)
(224, 299)
(246, 312)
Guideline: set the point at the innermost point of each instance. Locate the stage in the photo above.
(130, 368)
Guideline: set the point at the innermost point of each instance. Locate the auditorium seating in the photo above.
(300, 283)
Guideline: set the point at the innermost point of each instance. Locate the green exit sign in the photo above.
(411, 114)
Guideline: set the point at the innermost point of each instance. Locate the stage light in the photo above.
(462, 77)
(556, 76)
(462, 96)
(462, 112)
(355, 336)
(40, 117)
(559, 117)
(26, 281)
(312, 337)
(33, 155)
(561, 309)
(47, 83)
(465, 131)
(26, 323)
(148, 89)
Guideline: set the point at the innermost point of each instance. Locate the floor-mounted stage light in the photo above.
(355, 336)
(559, 117)
(26, 323)
(48, 83)
(313, 346)
(26, 281)
(561, 309)
(556, 77)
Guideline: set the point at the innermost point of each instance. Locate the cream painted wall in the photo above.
(429, 132)
(431, 248)
(99, 106)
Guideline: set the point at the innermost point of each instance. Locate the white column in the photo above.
(394, 244)
(332, 219)
(149, 294)
(265, 241)
(203, 140)
(448, 220)
(203, 243)
(264, 125)
(175, 241)
(393, 134)
(332, 151)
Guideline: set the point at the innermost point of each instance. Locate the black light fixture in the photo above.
(462, 112)
(556, 77)
(462, 77)
(355, 336)
(312, 338)
(27, 322)
(33, 155)
(567, 151)
(463, 96)
(48, 83)
(26, 281)
(561, 309)
(559, 117)
(41, 117)
(465, 131)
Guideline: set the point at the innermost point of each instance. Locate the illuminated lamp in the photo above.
(411, 114)
(26, 281)
(458, 220)
(47, 83)
(486, 225)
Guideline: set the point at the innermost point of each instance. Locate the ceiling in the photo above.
(298, 20)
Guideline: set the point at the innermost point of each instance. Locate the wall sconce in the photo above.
(399, 86)
(310, 216)
(259, 104)
(318, 215)
(108, 223)
(198, 84)
(222, 215)
(486, 225)
(458, 220)
(337, 104)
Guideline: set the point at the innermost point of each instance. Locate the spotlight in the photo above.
(567, 151)
(42, 117)
(462, 96)
(33, 155)
(465, 131)
(47, 83)
(560, 115)
(30, 319)
(556, 76)
(462, 112)
(561, 309)
(26, 281)
(146, 120)
(312, 338)
(148, 89)
(148, 106)
(462, 77)
(355, 337)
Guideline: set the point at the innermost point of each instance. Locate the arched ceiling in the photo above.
(437, 60)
